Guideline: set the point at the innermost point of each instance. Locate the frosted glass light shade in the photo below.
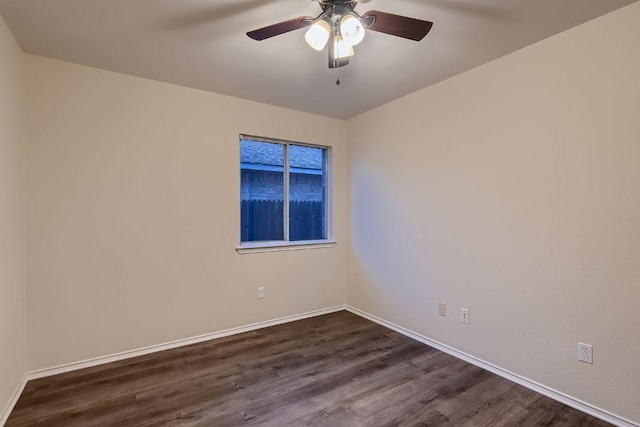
(318, 34)
(351, 29)
(341, 48)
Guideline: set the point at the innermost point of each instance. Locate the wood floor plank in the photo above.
(333, 370)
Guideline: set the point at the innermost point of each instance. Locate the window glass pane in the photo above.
(262, 191)
(307, 193)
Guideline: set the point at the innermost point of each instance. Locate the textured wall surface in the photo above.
(134, 214)
(12, 254)
(513, 190)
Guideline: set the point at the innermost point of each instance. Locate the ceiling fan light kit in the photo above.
(342, 28)
(341, 48)
(350, 31)
(318, 34)
(351, 28)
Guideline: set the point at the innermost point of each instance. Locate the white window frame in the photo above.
(287, 245)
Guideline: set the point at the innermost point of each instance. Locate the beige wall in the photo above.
(513, 190)
(12, 255)
(133, 215)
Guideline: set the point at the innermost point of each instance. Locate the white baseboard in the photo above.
(74, 366)
(532, 385)
(4, 416)
(544, 390)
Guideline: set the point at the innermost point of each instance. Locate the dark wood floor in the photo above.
(333, 370)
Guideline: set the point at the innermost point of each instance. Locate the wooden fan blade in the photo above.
(397, 25)
(281, 28)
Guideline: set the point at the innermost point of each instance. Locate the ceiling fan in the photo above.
(340, 23)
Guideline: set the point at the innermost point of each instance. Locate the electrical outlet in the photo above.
(442, 308)
(261, 292)
(464, 315)
(585, 353)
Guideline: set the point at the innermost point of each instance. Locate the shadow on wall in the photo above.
(392, 260)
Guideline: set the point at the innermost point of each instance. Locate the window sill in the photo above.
(253, 247)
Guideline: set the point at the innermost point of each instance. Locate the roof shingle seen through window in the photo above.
(267, 153)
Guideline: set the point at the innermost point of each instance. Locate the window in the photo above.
(284, 192)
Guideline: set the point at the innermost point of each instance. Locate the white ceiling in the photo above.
(202, 44)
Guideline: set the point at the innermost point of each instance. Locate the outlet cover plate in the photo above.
(464, 315)
(585, 353)
(442, 308)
